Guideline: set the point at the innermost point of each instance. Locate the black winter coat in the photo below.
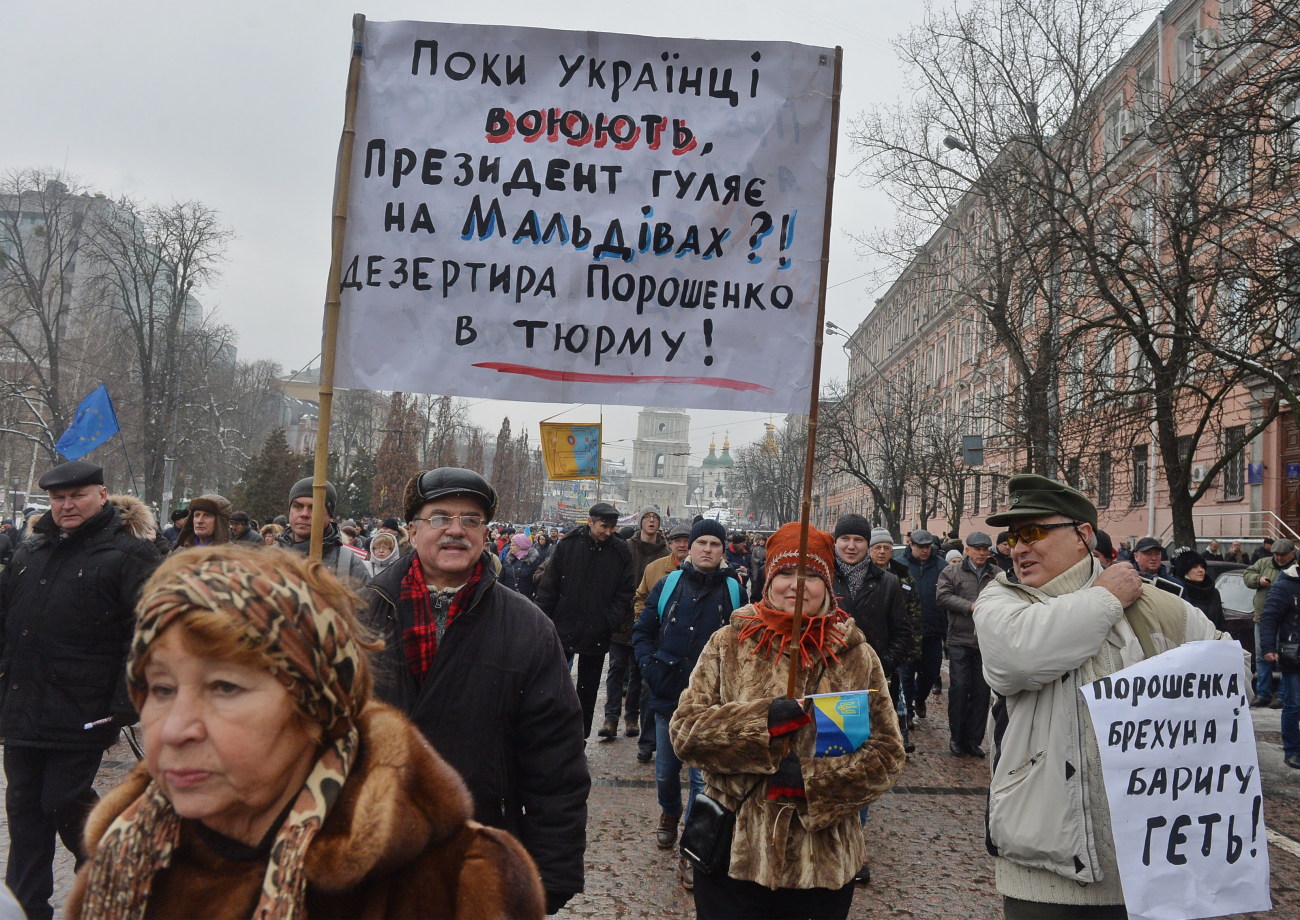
(666, 650)
(517, 574)
(67, 612)
(1205, 597)
(587, 590)
(925, 575)
(1280, 621)
(499, 705)
(881, 613)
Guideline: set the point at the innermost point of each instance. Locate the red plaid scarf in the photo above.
(420, 639)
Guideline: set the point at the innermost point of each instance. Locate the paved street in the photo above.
(929, 860)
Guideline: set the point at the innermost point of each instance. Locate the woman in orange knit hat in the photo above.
(798, 839)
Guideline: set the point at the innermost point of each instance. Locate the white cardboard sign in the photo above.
(585, 217)
(1182, 775)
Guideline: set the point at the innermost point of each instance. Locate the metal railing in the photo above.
(1250, 527)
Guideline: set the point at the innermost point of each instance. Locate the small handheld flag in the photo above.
(95, 423)
(843, 722)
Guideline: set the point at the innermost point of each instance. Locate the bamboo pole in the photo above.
(810, 453)
(342, 176)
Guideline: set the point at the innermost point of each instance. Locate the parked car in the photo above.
(1238, 602)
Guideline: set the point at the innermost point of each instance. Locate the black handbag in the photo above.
(1288, 654)
(706, 838)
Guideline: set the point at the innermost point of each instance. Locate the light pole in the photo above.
(832, 329)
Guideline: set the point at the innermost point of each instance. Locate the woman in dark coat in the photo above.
(521, 562)
(1198, 588)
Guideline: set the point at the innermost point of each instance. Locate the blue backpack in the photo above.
(670, 587)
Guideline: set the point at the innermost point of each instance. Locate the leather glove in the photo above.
(787, 781)
(555, 900)
(785, 716)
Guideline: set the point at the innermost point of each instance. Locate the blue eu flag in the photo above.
(95, 423)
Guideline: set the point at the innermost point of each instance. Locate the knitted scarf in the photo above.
(420, 639)
(314, 656)
(855, 576)
(819, 635)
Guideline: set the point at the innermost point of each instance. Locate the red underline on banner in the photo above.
(724, 383)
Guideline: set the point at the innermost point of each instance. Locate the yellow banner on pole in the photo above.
(571, 451)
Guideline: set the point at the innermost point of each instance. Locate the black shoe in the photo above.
(974, 750)
(863, 875)
(1260, 702)
(956, 749)
(645, 756)
(920, 709)
(1276, 703)
(1293, 761)
(909, 747)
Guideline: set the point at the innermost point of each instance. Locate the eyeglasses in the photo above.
(1032, 533)
(443, 521)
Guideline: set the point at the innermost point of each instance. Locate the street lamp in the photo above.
(13, 492)
(832, 329)
(953, 143)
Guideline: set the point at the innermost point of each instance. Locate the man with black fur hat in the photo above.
(586, 590)
(67, 606)
(479, 669)
(1065, 623)
(336, 556)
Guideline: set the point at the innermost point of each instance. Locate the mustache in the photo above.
(453, 541)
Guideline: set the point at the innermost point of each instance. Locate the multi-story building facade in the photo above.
(932, 344)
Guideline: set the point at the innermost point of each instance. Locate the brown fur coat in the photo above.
(721, 727)
(400, 842)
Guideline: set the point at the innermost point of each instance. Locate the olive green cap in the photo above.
(1037, 496)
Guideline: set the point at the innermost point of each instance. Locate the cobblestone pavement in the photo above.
(928, 861)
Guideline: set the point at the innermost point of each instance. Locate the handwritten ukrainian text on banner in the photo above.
(585, 217)
(570, 451)
(1182, 775)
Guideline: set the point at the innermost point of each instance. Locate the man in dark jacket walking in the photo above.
(968, 694)
(67, 604)
(624, 675)
(479, 670)
(681, 612)
(336, 556)
(924, 567)
(1278, 625)
(873, 596)
(586, 590)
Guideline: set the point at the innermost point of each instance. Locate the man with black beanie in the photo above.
(342, 560)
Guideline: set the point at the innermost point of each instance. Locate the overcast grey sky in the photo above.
(240, 104)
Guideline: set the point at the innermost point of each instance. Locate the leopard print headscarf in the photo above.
(312, 654)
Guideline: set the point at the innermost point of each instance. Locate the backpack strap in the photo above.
(670, 586)
(733, 587)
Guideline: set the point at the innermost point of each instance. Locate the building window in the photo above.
(1189, 56)
(1148, 91)
(1140, 465)
(1287, 142)
(1234, 473)
(1143, 218)
(660, 463)
(1234, 166)
(1104, 477)
(1234, 18)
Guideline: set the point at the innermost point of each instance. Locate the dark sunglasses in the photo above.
(1032, 533)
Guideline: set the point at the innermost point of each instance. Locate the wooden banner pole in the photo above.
(342, 176)
(810, 453)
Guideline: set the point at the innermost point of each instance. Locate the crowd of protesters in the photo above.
(439, 623)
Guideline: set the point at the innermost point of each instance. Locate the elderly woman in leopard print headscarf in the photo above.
(273, 786)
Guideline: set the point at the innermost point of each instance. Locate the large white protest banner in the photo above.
(585, 217)
(1182, 774)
